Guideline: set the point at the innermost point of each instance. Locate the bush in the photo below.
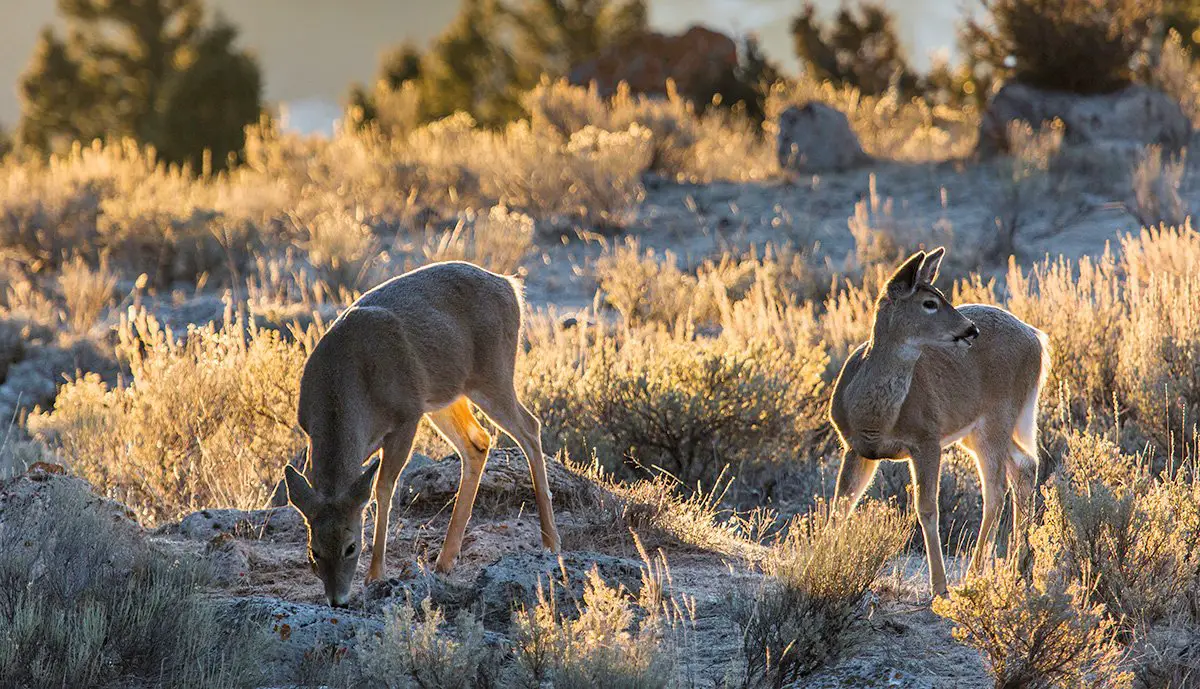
(690, 407)
(1136, 537)
(1158, 371)
(889, 126)
(1042, 635)
(593, 173)
(615, 639)
(205, 420)
(1080, 46)
(499, 240)
(700, 147)
(415, 650)
(816, 578)
(86, 604)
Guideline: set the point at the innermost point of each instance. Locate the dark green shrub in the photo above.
(1080, 46)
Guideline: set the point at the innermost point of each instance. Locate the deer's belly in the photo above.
(949, 440)
(869, 448)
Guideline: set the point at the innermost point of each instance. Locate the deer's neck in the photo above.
(881, 384)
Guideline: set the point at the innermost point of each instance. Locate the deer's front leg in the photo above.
(396, 448)
(854, 478)
(926, 466)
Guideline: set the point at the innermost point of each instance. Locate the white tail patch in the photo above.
(1025, 435)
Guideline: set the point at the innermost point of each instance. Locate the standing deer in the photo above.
(421, 344)
(932, 375)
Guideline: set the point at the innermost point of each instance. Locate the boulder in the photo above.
(1132, 117)
(513, 581)
(816, 137)
(300, 630)
(697, 61)
(414, 584)
(505, 485)
(276, 523)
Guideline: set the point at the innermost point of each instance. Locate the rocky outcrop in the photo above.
(697, 61)
(505, 484)
(1132, 117)
(277, 523)
(816, 137)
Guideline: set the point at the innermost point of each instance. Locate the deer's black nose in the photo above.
(972, 332)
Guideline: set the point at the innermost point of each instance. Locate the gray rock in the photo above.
(505, 486)
(276, 523)
(228, 557)
(1134, 116)
(414, 585)
(513, 581)
(817, 138)
(299, 629)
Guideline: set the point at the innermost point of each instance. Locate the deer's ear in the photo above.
(904, 280)
(933, 261)
(300, 491)
(360, 490)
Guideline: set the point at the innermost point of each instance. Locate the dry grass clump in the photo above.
(204, 420)
(645, 288)
(1078, 305)
(86, 291)
(1045, 634)
(690, 406)
(499, 240)
(691, 146)
(817, 576)
(882, 235)
(592, 174)
(888, 126)
(1113, 583)
(1137, 537)
(88, 604)
(1025, 179)
(613, 639)
(1156, 181)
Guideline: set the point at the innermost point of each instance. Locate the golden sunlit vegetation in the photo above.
(685, 329)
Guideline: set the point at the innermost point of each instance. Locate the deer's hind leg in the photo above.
(460, 428)
(507, 412)
(1021, 470)
(990, 447)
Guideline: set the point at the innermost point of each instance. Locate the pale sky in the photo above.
(311, 50)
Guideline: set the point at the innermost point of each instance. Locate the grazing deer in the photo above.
(421, 344)
(932, 375)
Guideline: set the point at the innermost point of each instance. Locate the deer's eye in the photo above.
(930, 305)
(351, 549)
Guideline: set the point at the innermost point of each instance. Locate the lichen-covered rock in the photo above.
(513, 581)
(414, 584)
(298, 630)
(816, 137)
(1133, 117)
(276, 523)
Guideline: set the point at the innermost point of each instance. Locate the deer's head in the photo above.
(334, 528)
(911, 312)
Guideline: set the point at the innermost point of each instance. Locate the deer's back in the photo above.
(413, 344)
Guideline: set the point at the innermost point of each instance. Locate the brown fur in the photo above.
(915, 388)
(423, 343)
